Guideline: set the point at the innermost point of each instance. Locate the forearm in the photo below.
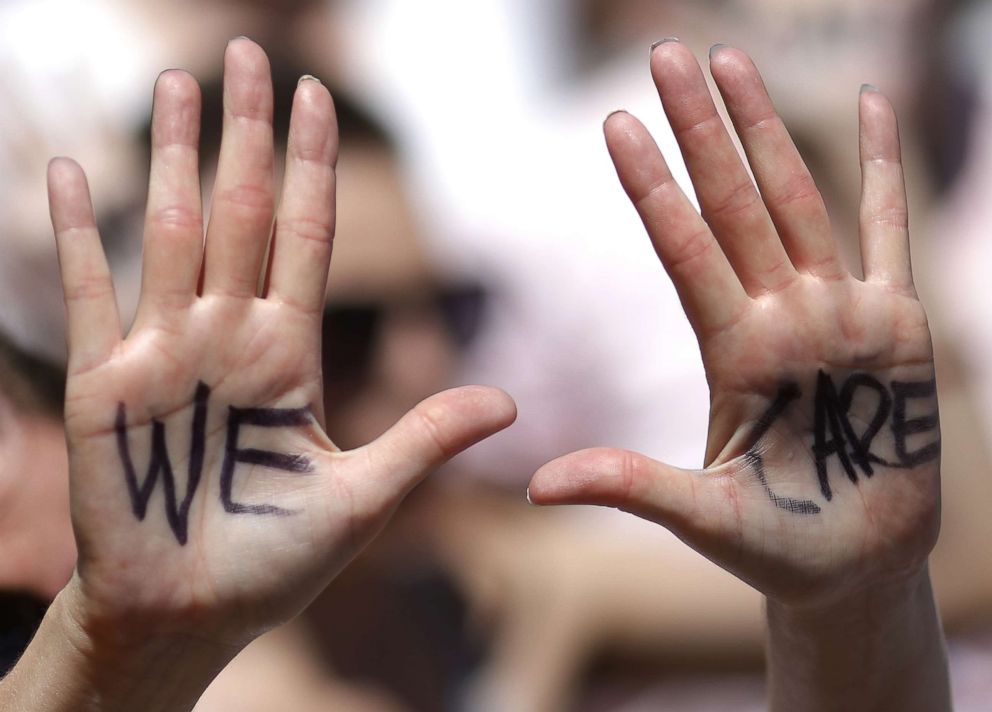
(883, 651)
(66, 668)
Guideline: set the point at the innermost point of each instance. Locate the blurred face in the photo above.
(388, 340)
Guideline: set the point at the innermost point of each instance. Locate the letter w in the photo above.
(177, 513)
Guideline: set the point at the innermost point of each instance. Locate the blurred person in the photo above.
(392, 326)
(99, 296)
(553, 239)
(400, 324)
(561, 423)
(38, 551)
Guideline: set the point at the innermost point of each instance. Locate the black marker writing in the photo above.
(835, 436)
(902, 428)
(160, 465)
(177, 514)
(832, 413)
(786, 394)
(265, 418)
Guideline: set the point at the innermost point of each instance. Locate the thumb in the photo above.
(697, 506)
(429, 435)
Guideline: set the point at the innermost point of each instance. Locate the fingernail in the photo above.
(611, 114)
(239, 37)
(663, 40)
(868, 87)
(308, 78)
(716, 48)
(529, 500)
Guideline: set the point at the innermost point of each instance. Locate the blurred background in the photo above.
(483, 237)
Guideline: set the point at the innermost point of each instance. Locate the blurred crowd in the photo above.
(483, 237)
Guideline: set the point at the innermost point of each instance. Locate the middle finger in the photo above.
(728, 199)
(243, 196)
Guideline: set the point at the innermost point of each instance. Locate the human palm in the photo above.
(822, 461)
(206, 497)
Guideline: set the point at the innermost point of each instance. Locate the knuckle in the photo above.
(319, 230)
(433, 433)
(88, 288)
(695, 245)
(656, 190)
(177, 217)
(247, 197)
(742, 198)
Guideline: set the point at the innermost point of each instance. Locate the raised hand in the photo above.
(207, 501)
(822, 461)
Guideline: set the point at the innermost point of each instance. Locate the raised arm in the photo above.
(207, 501)
(821, 485)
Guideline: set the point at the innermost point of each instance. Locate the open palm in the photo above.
(206, 497)
(822, 461)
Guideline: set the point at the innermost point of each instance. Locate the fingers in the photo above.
(428, 436)
(787, 188)
(243, 196)
(728, 199)
(173, 243)
(710, 292)
(92, 322)
(301, 249)
(884, 214)
(694, 506)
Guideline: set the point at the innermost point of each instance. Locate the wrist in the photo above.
(873, 604)
(860, 649)
(72, 664)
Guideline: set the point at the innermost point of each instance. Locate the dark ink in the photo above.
(827, 416)
(265, 418)
(834, 435)
(786, 394)
(853, 450)
(902, 427)
(177, 514)
(160, 465)
(790, 504)
(861, 444)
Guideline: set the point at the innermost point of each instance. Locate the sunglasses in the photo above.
(351, 330)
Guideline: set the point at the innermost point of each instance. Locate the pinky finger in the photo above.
(884, 213)
(92, 321)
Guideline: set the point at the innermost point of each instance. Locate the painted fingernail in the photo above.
(663, 40)
(716, 48)
(308, 78)
(868, 87)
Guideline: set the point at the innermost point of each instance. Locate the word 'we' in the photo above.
(160, 466)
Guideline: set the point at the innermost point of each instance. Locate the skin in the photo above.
(763, 285)
(146, 622)
(36, 559)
